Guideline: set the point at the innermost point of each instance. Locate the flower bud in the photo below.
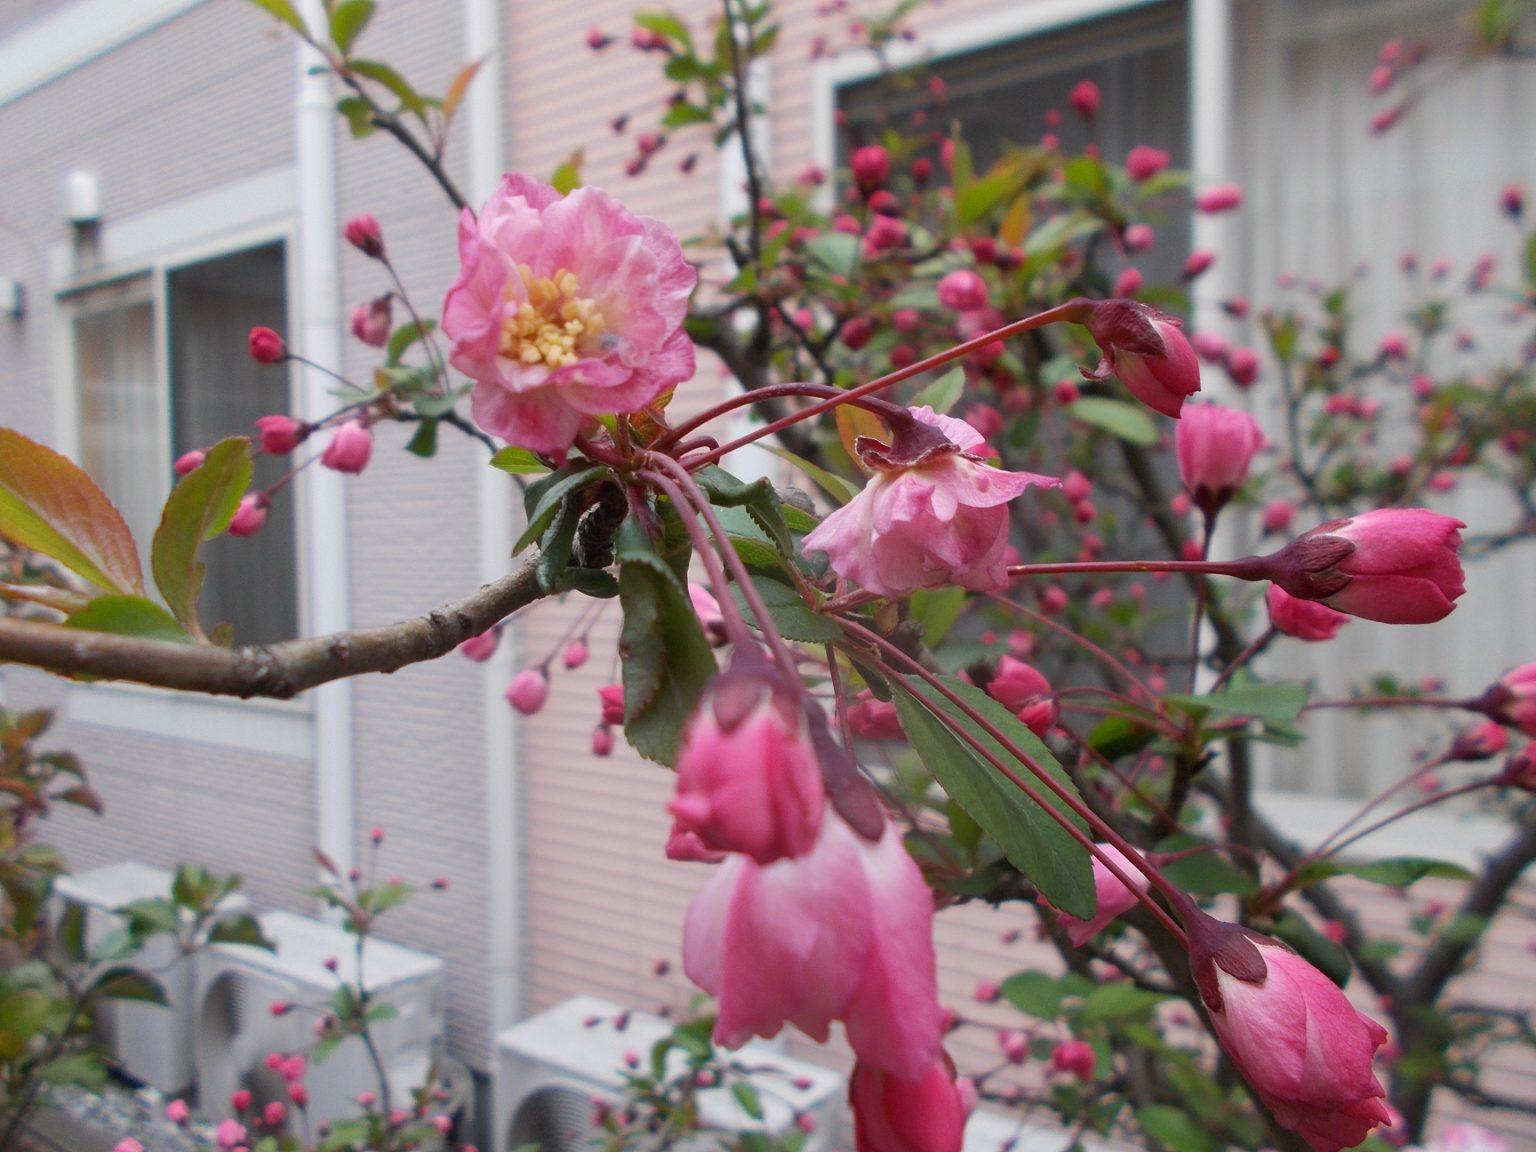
(895, 1115)
(1215, 445)
(273, 1113)
(1075, 1058)
(228, 1134)
(1512, 200)
(575, 654)
(177, 1112)
(602, 741)
(962, 291)
(1479, 742)
(871, 166)
(1112, 897)
(612, 698)
(1198, 263)
(349, 449)
(280, 434)
(371, 322)
(1512, 700)
(1085, 99)
(364, 234)
(1129, 282)
(189, 462)
(528, 691)
(1144, 162)
(240, 1100)
(1146, 351)
(1243, 366)
(299, 1095)
(1222, 198)
(874, 719)
(482, 647)
(267, 346)
(250, 515)
(1278, 515)
(1020, 688)
(1138, 238)
(1302, 619)
(748, 779)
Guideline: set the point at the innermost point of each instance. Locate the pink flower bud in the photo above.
(707, 609)
(1278, 515)
(1512, 200)
(987, 992)
(364, 234)
(602, 741)
(280, 435)
(228, 1134)
(1479, 742)
(962, 290)
(1020, 688)
(1112, 897)
(871, 166)
(177, 1112)
(274, 1113)
(366, 1099)
(874, 719)
(575, 654)
(267, 346)
(240, 1100)
(1144, 162)
(1075, 1058)
(128, 1144)
(528, 691)
(597, 40)
(1243, 366)
(856, 333)
(1138, 238)
(1222, 198)
(1198, 263)
(1013, 1045)
(1302, 619)
(1212, 347)
(273, 1061)
(748, 779)
(612, 700)
(1146, 351)
(250, 515)
(293, 1069)
(1128, 283)
(189, 462)
(443, 1124)
(1215, 446)
(299, 1095)
(923, 1114)
(371, 322)
(1394, 565)
(1394, 346)
(349, 449)
(1085, 99)
(482, 647)
(1512, 700)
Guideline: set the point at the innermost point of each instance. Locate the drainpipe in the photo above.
(324, 498)
(484, 124)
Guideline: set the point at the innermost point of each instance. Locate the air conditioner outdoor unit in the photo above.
(993, 1130)
(552, 1067)
(150, 1043)
(236, 1030)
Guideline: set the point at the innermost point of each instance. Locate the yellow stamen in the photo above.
(550, 324)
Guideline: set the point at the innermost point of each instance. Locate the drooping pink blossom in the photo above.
(1292, 1033)
(1112, 898)
(1085, 99)
(371, 322)
(1395, 565)
(611, 698)
(528, 691)
(1302, 619)
(871, 166)
(1512, 700)
(874, 719)
(1144, 162)
(482, 647)
(1215, 445)
(189, 462)
(962, 290)
(931, 514)
(844, 932)
(1075, 1058)
(250, 515)
(925, 1113)
(281, 434)
(565, 308)
(1222, 198)
(1146, 351)
(364, 234)
(748, 779)
(349, 449)
(1198, 263)
(266, 346)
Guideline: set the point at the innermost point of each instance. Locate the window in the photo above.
(160, 368)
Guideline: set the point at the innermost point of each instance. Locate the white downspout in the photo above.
(323, 504)
(484, 123)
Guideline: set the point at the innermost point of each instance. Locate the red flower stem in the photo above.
(1416, 806)
(1246, 568)
(1063, 794)
(1102, 654)
(1068, 311)
(1245, 656)
(1396, 702)
(733, 562)
(1202, 594)
(1370, 806)
(735, 624)
(1125, 781)
(882, 408)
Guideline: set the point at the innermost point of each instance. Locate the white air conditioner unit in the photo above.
(993, 1130)
(236, 1030)
(553, 1067)
(150, 1043)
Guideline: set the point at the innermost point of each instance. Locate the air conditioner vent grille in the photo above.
(557, 1118)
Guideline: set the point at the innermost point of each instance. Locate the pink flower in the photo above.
(482, 647)
(565, 308)
(1512, 700)
(1215, 445)
(364, 234)
(250, 515)
(748, 779)
(685, 846)
(349, 449)
(1291, 1032)
(611, 698)
(528, 690)
(1302, 619)
(1112, 897)
(932, 514)
(1198, 263)
(924, 1113)
(273, 1113)
(177, 1112)
(280, 435)
(842, 933)
(962, 290)
(299, 1095)
(1144, 162)
(871, 166)
(1020, 688)
(371, 322)
(1479, 742)
(1128, 283)
(575, 654)
(1076, 1058)
(1084, 99)
(189, 462)
(229, 1133)
(1243, 366)
(1512, 200)
(1395, 565)
(1138, 238)
(128, 1144)
(1222, 198)
(602, 741)
(1146, 351)
(875, 719)
(240, 1100)
(266, 346)
(1278, 515)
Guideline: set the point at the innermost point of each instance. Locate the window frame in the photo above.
(224, 222)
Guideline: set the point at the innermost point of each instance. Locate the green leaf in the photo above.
(1120, 418)
(746, 1095)
(555, 545)
(1037, 993)
(87, 1069)
(936, 609)
(240, 929)
(980, 198)
(666, 659)
(544, 497)
(348, 19)
(836, 252)
(70, 931)
(285, 12)
(379, 1013)
(567, 177)
(789, 613)
(1394, 872)
(1273, 704)
(944, 393)
(518, 462)
(128, 984)
(834, 486)
(1204, 873)
(758, 498)
(1121, 1000)
(129, 616)
(50, 505)
(1176, 1130)
(1117, 736)
(424, 442)
(200, 507)
(1030, 837)
(358, 115)
(381, 73)
(403, 337)
(664, 24)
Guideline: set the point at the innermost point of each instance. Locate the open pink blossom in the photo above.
(1214, 445)
(1395, 565)
(844, 932)
(925, 1113)
(1302, 619)
(1112, 898)
(1292, 1033)
(932, 513)
(748, 779)
(565, 308)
